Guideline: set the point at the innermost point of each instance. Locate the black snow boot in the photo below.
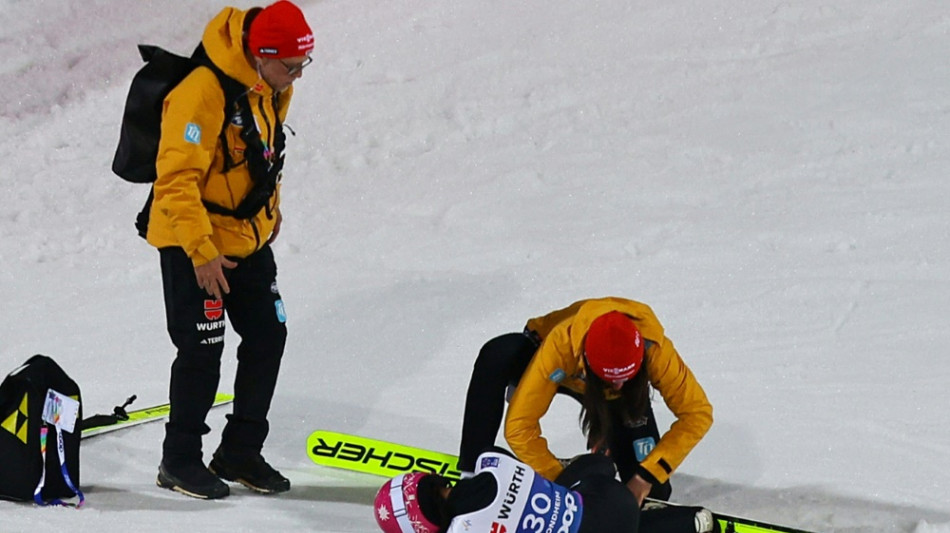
(191, 479)
(251, 471)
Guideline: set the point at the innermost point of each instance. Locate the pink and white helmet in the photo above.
(397, 506)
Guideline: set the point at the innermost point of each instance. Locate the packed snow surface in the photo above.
(769, 176)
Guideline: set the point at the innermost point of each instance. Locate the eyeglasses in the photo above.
(292, 70)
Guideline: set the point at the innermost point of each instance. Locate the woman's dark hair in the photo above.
(599, 415)
(431, 502)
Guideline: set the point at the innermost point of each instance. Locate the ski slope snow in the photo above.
(769, 176)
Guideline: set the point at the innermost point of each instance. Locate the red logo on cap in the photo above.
(214, 309)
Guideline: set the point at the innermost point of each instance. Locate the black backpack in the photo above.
(139, 136)
(22, 429)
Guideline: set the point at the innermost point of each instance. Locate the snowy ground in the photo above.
(769, 176)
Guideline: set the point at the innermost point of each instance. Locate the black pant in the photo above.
(196, 325)
(500, 363)
(609, 507)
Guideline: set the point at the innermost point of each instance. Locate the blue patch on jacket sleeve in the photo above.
(643, 447)
(193, 133)
(557, 376)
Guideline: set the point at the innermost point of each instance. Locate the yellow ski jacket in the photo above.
(190, 159)
(559, 362)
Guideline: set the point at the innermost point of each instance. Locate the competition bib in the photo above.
(524, 503)
(550, 509)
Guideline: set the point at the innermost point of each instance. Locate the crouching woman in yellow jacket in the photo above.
(606, 353)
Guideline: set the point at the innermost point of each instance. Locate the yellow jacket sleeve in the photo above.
(553, 363)
(686, 399)
(191, 123)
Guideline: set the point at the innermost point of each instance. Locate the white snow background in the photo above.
(770, 176)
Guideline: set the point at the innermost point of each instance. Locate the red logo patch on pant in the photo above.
(214, 309)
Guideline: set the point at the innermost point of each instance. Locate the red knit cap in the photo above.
(614, 348)
(280, 30)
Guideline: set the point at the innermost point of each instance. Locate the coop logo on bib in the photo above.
(551, 509)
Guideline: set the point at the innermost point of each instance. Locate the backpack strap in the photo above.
(264, 168)
(233, 92)
(119, 414)
(141, 219)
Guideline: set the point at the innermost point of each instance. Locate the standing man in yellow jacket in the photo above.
(215, 255)
(606, 353)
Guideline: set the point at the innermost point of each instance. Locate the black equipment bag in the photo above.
(22, 396)
(135, 155)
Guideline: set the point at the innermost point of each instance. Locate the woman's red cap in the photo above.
(280, 30)
(614, 348)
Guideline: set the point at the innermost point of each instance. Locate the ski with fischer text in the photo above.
(389, 459)
(371, 456)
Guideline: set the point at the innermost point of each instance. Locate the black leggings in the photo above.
(500, 363)
(609, 507)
